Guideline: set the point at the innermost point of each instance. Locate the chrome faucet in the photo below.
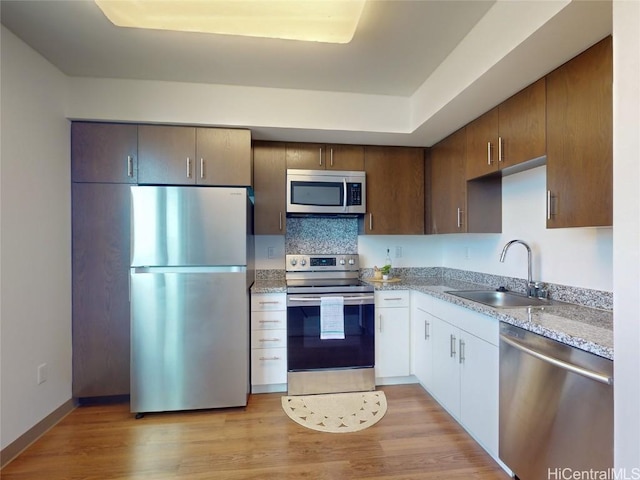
(534, 289)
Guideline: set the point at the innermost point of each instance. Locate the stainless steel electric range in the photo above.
(326, 290)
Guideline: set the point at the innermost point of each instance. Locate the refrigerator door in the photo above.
(190, 339)
(188, 226)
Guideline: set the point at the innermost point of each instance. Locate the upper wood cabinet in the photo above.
(104, 152)
(187, 156)
(269, 186)
(509, 134)
(318, 156)
(395, 190)
(223, 157)
(447, 188)
(579, 140)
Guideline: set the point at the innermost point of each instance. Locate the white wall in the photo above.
(35, 251)
(626, 239)
(580, 257)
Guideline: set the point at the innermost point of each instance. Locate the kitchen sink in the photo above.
(500, 299)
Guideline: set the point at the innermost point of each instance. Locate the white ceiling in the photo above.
(396, 49)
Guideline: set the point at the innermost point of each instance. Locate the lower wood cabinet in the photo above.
(268, 342)
(463, 350)
(392, 334)
(100, 289)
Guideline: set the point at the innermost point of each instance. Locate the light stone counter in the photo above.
(586, 328)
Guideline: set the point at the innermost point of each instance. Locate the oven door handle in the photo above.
(346, 297)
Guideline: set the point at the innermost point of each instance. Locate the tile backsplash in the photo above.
(321, 235)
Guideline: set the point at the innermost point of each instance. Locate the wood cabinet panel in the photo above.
(509, 134)
(270, 188)
(166, 155)
(482, 143)
(318, 156)
(223, 157)
(395, 190)
(305, 156)
(104, 152)
(100, 285)
(522, 125)
(580, 140)
(345, 157)
(448, 186)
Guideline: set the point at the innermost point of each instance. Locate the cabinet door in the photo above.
(395, 190)
(479, 390)
(306, 156)
(345, 157)
(392, 342)
(166, 155)
(104, 152)
(269, 178)
(482, 145)
(446, 371)
(422, 346)
(448, 186)
(100, 286)
(522, 126)
(223, 157)
(579, 140)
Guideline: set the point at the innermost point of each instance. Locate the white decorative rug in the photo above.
(336, 412)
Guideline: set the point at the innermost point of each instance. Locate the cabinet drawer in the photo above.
(268, 366)
(268, 338)
(392, 298)
(269, 301)
(268, 320)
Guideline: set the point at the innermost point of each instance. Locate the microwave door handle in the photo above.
(344, 197)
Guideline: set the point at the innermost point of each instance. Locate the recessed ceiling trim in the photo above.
(329, 21)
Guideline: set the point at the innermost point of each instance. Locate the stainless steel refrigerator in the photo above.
(191, 270)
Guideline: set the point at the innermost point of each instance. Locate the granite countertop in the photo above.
(269, 286)
(586, 328)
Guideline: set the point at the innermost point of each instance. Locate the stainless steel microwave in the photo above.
(330, 192)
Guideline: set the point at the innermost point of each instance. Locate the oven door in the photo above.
(306, 351)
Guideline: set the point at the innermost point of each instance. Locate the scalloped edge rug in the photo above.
(336, 412)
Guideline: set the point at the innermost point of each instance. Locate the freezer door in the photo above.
(188, 226)
(189, 340)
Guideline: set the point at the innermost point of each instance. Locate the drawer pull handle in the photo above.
(269, 340)
(269, 358)
(268, 321)
(392, 299)
(270, 303)
(453, 346)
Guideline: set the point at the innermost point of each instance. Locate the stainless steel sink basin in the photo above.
(497, 299)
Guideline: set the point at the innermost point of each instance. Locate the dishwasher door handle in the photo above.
(558, 363)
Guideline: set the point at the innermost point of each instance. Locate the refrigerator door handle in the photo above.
(213, 269)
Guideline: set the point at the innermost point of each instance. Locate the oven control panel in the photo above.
(322, 263)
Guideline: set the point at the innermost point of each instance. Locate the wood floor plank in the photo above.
(415, 440)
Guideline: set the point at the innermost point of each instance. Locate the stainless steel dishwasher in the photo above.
(556, 407)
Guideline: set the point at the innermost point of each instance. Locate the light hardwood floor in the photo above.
(416, 439)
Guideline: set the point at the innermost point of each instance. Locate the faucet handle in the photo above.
(537, 290)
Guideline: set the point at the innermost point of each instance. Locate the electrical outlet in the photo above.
(43, 372)
(398, 251)
(271, 252)
(467, 252)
